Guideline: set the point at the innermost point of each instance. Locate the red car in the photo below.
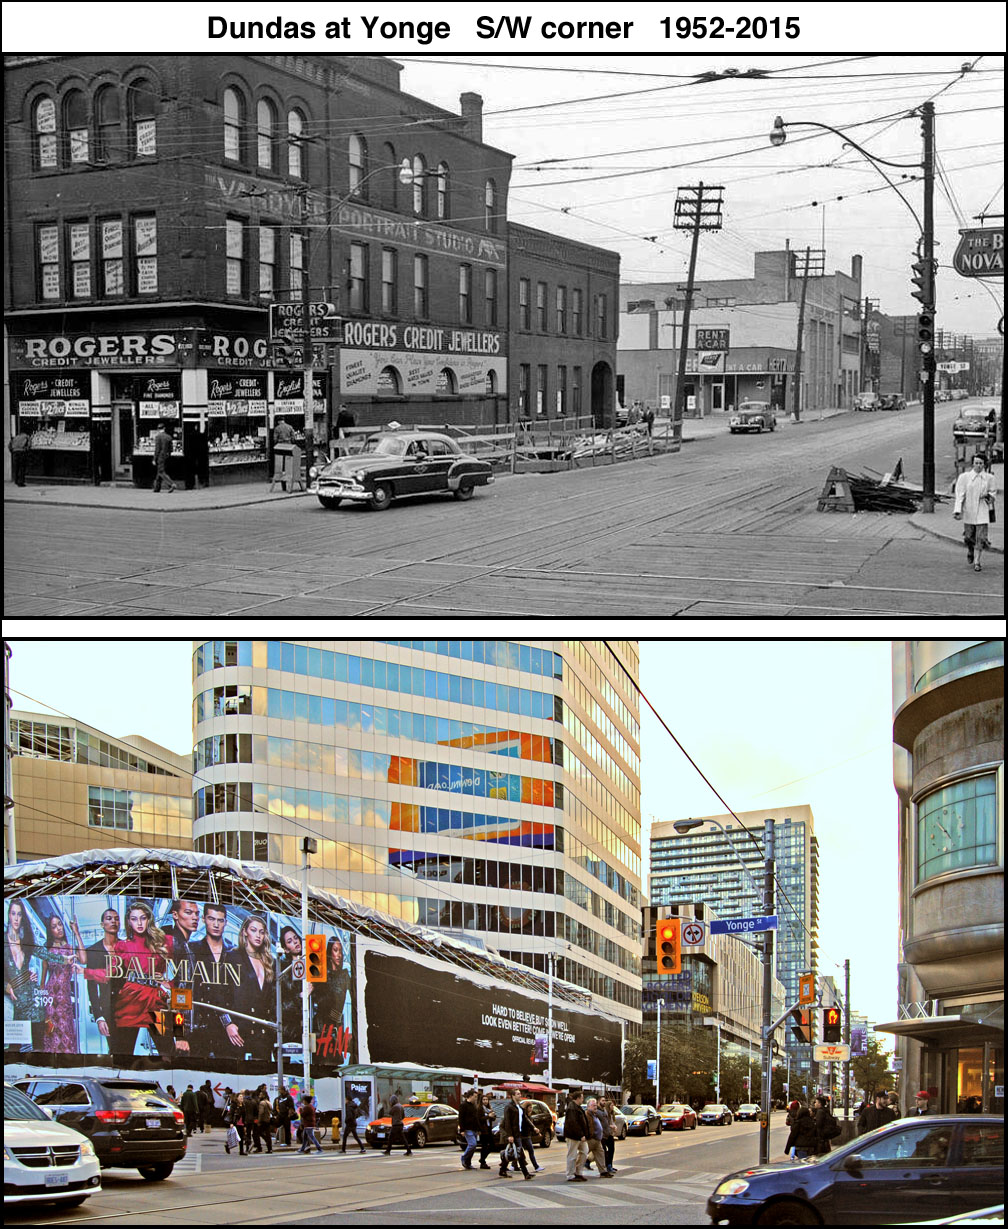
(677, 1117)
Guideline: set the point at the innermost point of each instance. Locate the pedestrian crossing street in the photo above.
(631, 1185)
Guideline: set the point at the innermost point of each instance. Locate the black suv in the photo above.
(540, 1115)
(132, 1123)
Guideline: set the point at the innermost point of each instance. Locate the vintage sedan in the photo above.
(422, 1125)
(642, 1119)
(397, 464)
(976, 426)
(753, 416)
(716, 1115)
(677, 1116)
(906, 1172)
(892, 401)
(867, 400)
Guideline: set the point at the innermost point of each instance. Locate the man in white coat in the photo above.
(974, 499)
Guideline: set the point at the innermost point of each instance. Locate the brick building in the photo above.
(760, 314)
(157, 205)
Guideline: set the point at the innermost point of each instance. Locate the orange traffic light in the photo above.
(831, 1024)
(178, 1025)
(315, 958)
(667, 935)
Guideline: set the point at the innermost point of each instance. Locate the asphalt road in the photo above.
(726, 528)
(662, 1180)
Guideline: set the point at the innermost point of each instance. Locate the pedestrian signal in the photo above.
(178, 1026)
(922, 276)
(315, 958)
(831, 1025)
(667, 936)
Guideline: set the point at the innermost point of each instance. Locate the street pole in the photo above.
(551, 960)
(279, 1022)
(657, 1082)
(308, 352)
(846, 1080)
(796, 392)
(928, 501)
(768, 959)
(308, 845)
(690, 215)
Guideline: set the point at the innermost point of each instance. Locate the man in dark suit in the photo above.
(511, 1136)
(214, 1034)
(100, 992)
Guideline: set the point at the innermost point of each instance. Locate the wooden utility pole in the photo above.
(693, 211)
(928, 354)
(796, 391)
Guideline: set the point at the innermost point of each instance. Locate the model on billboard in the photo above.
(21, 1000)
(97, 954)
(255, 994)
(59, 965)
(329, 1008)
(214, 1032)
(290, 987)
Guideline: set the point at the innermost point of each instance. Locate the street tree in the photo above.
(687, 1063)
(871, 1071)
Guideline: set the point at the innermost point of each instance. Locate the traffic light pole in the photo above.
(929, 363)
(768, 972)
(308, 845)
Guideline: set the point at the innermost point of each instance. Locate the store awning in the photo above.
(531, 1089)
(394, 1071)
(948, 1031)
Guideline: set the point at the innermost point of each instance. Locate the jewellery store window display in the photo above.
(236, 425)
(157, 400)
(289, 407)
(53, 410)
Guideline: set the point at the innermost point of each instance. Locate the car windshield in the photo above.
(714, 1109)
(385, 446)
(635, 1111)
(17, 1107)
(750, 1106)
(674, 1108)
(754, 407)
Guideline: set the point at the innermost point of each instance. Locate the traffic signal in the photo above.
(667, 946)
(801, 1026)
(925, 332)
(285, 353)
(178, 1026)
(922, 277)
(315, 958)
(831, 1025)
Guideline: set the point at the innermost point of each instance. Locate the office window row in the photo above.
(567, 391)
(360, 277)
(567, 310)
(269, 144)
(111, 124)
(106, 258)
(267, 258)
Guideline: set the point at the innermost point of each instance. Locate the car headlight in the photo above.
(313, 473)
(87, 1148)
(732, 1186)
(359, 476)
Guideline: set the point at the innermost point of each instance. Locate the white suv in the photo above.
(44, 1160)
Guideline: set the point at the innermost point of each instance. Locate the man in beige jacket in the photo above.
(974, 499)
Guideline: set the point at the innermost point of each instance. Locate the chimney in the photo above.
(471, 106)
(855, 270)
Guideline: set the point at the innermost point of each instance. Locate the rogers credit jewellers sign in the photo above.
(139, 349)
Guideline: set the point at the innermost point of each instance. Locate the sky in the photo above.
(769, 722)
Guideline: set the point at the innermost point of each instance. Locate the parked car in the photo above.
(960, 394)
(619, 1124)
(716, 1115)
(753, 416)
(748, 1112)
(866, 401)
(422, 1125)
(642, 1120)
(131, 1123)
(892, 401)
(973, 426)
(394, 464)
(903, 1172)
(44, 1160)
(677, 1117)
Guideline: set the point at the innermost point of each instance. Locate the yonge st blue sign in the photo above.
(743, 925)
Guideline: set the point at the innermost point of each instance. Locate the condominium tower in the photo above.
(486, 788)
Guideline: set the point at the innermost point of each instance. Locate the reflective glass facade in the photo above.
(486, 787)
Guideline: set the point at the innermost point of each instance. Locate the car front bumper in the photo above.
(344, 490)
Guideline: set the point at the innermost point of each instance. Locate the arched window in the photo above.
(447, 382)
(490, 206)
(358, 165)
(75, 127)
(389, 383)
(443, 200)
(234, 124)
(419, 185)
(491, 383)
(389, 178)
(143, 109)
(108, 117)
(44, 126)
(295, 147)
(265, 134)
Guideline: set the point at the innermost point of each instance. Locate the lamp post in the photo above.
(657, 1082)
(925, 251)
(688, 825)
(715, 1023)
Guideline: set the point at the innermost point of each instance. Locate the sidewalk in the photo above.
(136, 499)
(941, 525)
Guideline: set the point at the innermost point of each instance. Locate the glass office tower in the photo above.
(486, 788)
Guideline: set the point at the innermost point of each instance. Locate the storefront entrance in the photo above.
(717, 398)
(122, 439)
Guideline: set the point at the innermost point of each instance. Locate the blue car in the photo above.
(910, 1170)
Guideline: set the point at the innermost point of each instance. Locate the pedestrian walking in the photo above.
(875, 1114)
(204, 1103)
(605, 1113)
(190, 1109)
(469, 1126)
(510, 1137)
(352, 1111)
(802, 1140)
(922, 1104)
(974, 506)
(826, 1125)
(19, 446)
(284, 1109)
(576, 1136)
(595, 1135)
(265, 1122)
(894, 1106)
(307, 1117)
(162, 452)
(487, 1117)
(396, 1134)
(528, 1134)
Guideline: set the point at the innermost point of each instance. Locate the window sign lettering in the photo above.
(146, 138)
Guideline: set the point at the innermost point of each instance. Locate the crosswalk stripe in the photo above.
(519, 1196)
